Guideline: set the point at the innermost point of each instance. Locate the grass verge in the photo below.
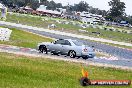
(27, 72)
(24, 39)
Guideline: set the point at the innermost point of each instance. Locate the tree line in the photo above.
(116, 12)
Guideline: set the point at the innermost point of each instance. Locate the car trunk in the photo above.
(85, 48)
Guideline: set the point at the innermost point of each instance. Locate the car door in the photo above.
(58, 46)
(66, 46)
(50, 46)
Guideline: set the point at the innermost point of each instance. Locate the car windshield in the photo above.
(77, 43)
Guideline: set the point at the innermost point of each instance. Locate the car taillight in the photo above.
(85, 50)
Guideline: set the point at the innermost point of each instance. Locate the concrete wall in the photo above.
(5, 34)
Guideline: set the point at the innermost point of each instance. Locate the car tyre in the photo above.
(42, 49)
(72, 54)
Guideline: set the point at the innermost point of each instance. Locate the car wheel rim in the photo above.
(72, 54)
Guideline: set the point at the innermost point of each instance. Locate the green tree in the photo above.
(59, 5)
(82, 6)
(117, 9)
(51, 5)
(43, 2)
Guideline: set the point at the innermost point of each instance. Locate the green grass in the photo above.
(115, 36)
(24, 39)
(25, 72)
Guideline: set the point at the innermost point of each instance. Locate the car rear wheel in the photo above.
(72, 54)
(42, 49)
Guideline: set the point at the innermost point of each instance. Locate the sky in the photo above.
(101, 4)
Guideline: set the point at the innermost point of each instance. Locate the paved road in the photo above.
(124, 63)
(123, 54)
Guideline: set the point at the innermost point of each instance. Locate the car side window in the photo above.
(59, 42)
(67, 43)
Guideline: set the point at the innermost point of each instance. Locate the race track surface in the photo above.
(124, 55)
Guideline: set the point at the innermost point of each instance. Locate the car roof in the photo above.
(67, 39)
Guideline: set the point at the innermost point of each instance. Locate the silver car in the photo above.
(72, 48)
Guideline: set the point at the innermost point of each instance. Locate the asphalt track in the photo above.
(91, 61)
(124, 55)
